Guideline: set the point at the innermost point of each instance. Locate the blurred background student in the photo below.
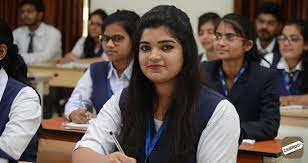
(103, 79)
(206, 25)
(293, 65)
(88, 49)
(37, 42)
(268, 26)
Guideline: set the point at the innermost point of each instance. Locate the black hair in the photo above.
(303, 29)
(127, 19)
(302, 25)
(90, 44)
(245, 29)
(12, 63)
(142, 96)
(38, 4)
(208, 17)
(273, 9)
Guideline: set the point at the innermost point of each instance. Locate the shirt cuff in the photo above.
(89, 144)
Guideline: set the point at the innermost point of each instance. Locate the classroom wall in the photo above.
(194, 8)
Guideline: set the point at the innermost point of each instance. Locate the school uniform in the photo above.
(40, 46)
(271, 53)
(20, 118)
(255, 95)
(217, 129)
(97, 85)
(291, 80)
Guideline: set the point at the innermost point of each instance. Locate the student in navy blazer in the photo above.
(293, 65)
(252, 89)
(165, 115)
(20, 110)
(103, 79)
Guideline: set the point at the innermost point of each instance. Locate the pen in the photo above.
(116, 142)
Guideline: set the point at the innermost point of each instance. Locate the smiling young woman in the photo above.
(165, 114)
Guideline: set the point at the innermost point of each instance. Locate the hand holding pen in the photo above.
(120, 156)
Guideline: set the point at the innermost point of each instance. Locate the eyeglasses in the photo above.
(291, 39)
(116, 39)
(229, 37)
(95, 24)
(266, 22)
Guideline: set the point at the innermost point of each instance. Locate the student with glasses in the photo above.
(268, 26)
(88, 49)
(293, 65)
(103, 79)
(237, 75)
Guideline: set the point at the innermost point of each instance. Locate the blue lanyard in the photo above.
(150, 143)
(286, 81)
(222, 77)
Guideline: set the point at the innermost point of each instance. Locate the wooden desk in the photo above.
(294, 117)
(259, 151)
(62, 76)
(52, 129)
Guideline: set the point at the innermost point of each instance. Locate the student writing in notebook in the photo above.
(251, 88)
(165, 114)
(103, 79)
(20, 110)
(293, 65)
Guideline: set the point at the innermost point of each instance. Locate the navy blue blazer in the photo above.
(255, 96)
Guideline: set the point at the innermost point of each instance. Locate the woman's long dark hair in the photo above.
(245, 29)
(142, 96)
(12, 63)
(90, 44)
(303, 29)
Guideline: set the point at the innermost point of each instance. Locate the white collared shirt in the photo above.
(269, 55)
(84, 89)
(203, 57)
(46, 43)
(283, 65)
(25, 119)
(218, 141)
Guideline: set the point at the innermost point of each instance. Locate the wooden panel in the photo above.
(54, 151)
(249, 159)
(291, 8)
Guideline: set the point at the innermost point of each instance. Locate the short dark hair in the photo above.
(208, 17)
(12, 63)
(127, 19)
(100, 13)
(302, 25)
(38, 4)
(273, 9)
